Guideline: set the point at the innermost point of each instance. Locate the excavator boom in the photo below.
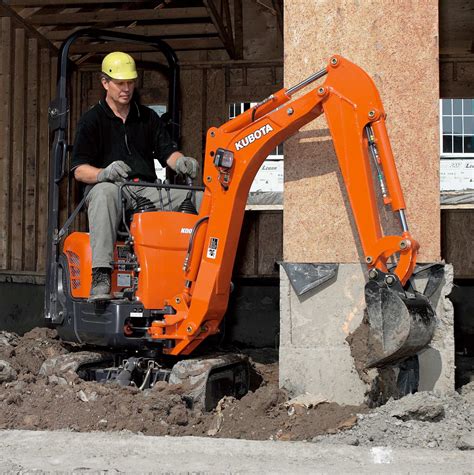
(235, 151)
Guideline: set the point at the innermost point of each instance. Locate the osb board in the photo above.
(399, 51)
(457, 249)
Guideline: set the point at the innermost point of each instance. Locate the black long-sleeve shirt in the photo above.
(102, 137)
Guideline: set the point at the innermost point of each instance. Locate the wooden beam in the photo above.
(165, 30)
(238, 30)
(43, 154)
(6, 11)
(178, 44)
(31, 157)
(6, 84)
(123, 16)
(18, 149)
(278, 6)
(221, 27)
(64, 4)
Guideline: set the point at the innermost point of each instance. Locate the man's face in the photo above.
(118, 91)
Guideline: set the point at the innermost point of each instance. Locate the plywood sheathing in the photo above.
(397, 44)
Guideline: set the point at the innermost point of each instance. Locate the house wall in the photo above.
(27, 78)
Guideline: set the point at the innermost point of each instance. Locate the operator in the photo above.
(116, 141)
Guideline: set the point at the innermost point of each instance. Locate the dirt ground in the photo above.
(29, 400)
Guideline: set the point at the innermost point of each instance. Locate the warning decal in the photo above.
(212, 249)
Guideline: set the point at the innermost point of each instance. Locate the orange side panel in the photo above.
(77, 250)
(161, 241)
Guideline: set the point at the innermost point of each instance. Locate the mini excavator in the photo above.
(172, 268)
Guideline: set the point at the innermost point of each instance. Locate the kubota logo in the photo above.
(186, 230)
(258, 134)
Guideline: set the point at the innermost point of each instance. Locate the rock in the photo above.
(418, 407)
(306, 400)
(56, 380)
(7, 373)
(466, 442)
(87, 396)
(8, 339)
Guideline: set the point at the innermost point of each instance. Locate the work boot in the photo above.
(100, 289)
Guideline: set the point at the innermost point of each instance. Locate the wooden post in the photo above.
(6, 47)
(18, 148)
(43, 156)
(31, 168)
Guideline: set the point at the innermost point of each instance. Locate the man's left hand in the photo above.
(187, 166)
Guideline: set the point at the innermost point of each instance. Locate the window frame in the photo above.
(450, 155)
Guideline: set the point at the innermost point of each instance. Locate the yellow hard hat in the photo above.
(120, 66)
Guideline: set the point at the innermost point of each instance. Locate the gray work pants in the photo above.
(104, 210)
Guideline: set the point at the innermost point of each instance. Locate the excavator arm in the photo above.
(234, 153)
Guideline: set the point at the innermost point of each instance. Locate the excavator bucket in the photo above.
(401, 322)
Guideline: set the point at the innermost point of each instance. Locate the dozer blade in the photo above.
(401, 323)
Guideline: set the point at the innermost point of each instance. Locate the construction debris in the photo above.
(36, 397)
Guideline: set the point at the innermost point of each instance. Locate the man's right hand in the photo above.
(116, 172)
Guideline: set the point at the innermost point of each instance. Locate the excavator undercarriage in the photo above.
(172, 268)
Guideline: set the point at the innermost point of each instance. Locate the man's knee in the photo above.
(104, 194)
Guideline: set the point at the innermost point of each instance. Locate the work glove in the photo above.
(187, 166)
(116, 172)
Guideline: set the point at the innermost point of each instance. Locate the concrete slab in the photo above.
(67, 452)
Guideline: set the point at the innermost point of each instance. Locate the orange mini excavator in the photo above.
(172, 269)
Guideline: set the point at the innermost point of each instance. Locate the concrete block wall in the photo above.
(400, 52)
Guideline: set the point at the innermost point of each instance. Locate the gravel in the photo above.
(424, 420)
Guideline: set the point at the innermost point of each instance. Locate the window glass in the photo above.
(447, 144)
(457, 125)
(447, 125)
(457, 106)
(468, 105)
(447, 107)
(469, 125)
(469, 144)
(457, 144)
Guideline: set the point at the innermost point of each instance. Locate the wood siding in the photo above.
(26, 74)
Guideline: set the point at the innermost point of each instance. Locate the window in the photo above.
(457, 128)
(457, 145)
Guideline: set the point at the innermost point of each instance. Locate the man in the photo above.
(118, 140)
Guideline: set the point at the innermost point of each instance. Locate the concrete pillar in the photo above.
(397, 44)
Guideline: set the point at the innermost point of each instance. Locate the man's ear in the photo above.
(105, 83)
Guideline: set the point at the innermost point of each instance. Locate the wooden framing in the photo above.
(88, 18)
(25, 81)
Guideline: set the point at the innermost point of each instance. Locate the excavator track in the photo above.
(205, 380)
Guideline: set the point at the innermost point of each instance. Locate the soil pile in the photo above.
(35, 401)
